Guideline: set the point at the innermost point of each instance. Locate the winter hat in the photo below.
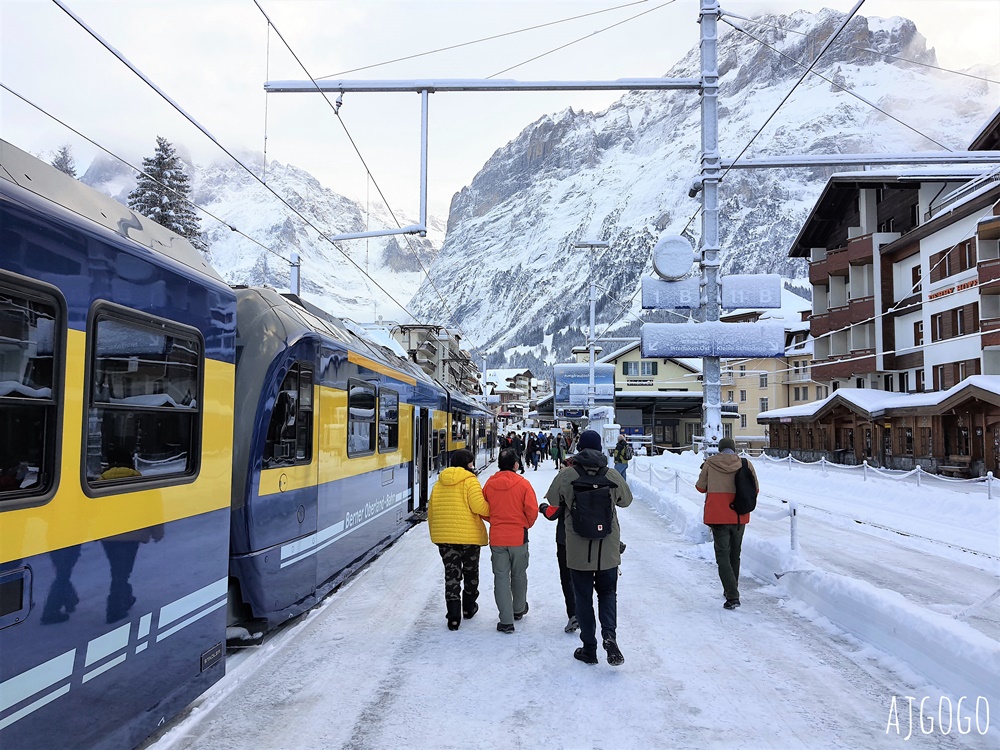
(589, 439)
(727, 442)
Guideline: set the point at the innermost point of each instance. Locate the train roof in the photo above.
(47, 182)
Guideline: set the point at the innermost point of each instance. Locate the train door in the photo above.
(421, 458)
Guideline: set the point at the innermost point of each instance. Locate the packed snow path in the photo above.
(376, 667)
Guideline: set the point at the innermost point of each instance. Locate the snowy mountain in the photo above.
(329, 279)
(622, 176)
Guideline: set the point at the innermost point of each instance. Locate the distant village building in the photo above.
(438, 351)
(905, 273)
(516, 390)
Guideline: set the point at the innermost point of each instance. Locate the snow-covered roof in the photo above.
(505, 375)
(875, 403)
(694, 365)
(790, 311)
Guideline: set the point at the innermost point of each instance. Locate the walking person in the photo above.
(543, 448)
(622, 454)
(532, 449)
(556, 513)
(718, 481)
(513, 510)
(455, 514)
(593, 559)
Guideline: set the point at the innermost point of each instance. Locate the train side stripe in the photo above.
(194, 618)
(103, 668)
(26, 684)
(300, 545)
(191, 602)
(107, 644)
(398, 498)
(18, 715)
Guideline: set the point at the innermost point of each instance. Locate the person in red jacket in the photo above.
(718, 481)
(513, 510)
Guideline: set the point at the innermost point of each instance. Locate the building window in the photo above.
(888, 382)
(763, 404)
(727, 430)
(836, 384)
(763, 380)
(743, 421)
(968, 254)
(937, 327)
(743, 370)
(630, 368)
(918, 333)
(730, 394)
(961, 371)
(919, 376)
(388, 421)
(859, 382)
(915, 274)
(939, 382)
(648, 368)
(360, 418)
(960, 322)
(32, 329)
(144, 401)
(904, 382)
(743, 396)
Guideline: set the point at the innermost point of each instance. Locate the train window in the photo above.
(30, 360)
(388, 421)
(289, 433)
(456, 426)
(144, 404)
(360, 418)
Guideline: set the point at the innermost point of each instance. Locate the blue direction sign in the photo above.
(754, 291)
(713, 339)
(657, 293)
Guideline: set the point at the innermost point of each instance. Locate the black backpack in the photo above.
(593, 507)
(746, 490)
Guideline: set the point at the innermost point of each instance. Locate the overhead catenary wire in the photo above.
(839, 86)
(826, 46)
(124, 161)
(758, 22)
(580, 39)
(335, 107)
(484, 39)
(232, 156)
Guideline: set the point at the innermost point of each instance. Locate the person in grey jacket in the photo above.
(593, 563)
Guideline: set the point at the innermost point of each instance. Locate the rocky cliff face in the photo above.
(622, 176)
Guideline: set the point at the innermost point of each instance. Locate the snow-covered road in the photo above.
(375, 667)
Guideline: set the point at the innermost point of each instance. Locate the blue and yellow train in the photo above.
(178, 458)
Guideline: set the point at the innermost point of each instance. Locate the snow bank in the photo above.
(949, 653)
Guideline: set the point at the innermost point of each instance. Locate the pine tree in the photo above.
(161, 194)
(64, 161)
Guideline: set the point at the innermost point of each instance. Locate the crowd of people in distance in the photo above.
(583, 499)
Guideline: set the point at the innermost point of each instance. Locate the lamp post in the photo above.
(591, 339)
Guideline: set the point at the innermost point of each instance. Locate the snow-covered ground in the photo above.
(886, 605)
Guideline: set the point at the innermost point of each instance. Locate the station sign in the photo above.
(713, 339)
(658, 293)
(753, 291)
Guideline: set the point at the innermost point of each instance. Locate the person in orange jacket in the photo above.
(718, 481)
(455, 515)
(513, 510)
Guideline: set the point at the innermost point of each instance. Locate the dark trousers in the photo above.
(566, 580)
(461, 564)
(605, 582)
(728, 543)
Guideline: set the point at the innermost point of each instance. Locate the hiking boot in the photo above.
(615, 657)
(453, 624)
(519, 615)
(503, 627)
(731, 604)
(587, 657)
(571, 625)
(471, 612)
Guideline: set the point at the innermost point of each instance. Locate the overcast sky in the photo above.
(213, 56)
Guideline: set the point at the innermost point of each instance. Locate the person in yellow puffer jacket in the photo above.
(455, 519)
